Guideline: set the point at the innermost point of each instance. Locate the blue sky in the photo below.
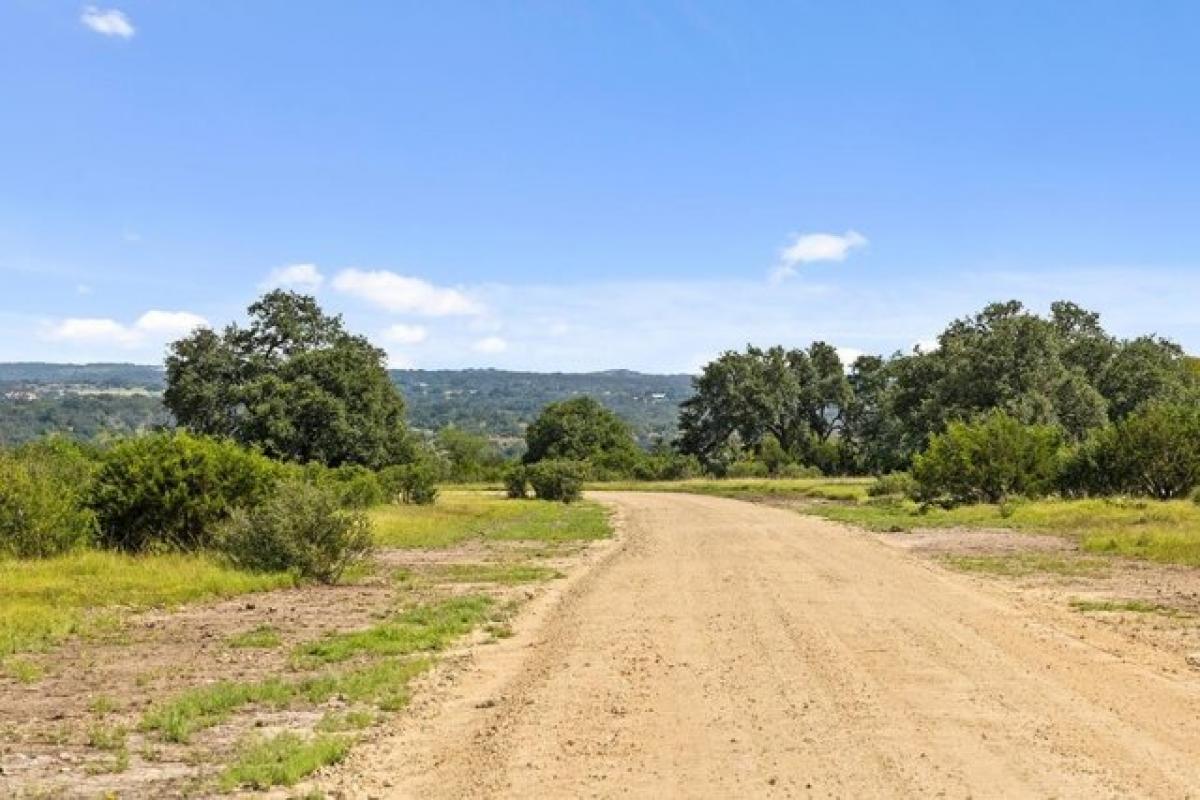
(569, 185)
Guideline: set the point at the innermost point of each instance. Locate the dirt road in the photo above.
(723, 649)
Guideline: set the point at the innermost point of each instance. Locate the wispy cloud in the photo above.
(294, 276)
(108, 22)
(153, 326)
(405, 334)
(402, 294)
(809, 248)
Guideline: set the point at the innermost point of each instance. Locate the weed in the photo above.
(1023, 564)
(347, 721)
(102, 705)
(422, 629)
(1131, 606)
(22, 670)
(281, 760)
(261, 637)
(505, 574)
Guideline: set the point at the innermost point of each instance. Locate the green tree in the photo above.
(292, 382)
(470, 456)
(1144, 369)
(1155, 451)
(797, 396)
(580, 429)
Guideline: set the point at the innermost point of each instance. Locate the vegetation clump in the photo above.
(168, 491)
(299, 529)
(558, 480)
(41, 509)
(988, 461)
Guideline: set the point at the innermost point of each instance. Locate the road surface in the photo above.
(723, 649)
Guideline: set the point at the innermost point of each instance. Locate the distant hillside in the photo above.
(501, 403)
(92, 400)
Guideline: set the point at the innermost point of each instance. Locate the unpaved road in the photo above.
(724, 649)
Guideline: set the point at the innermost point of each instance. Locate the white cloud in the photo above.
(403, 294)
(169, 323)
(809, 248)
(153, 326)
(405, 334)
(490, 345)
(91, 330)
(108, 22)
(294, 276)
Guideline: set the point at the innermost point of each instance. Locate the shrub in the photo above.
(41, 501)
(559, 480)
(746, 469)
(893, 484)
(300, 528)
(988, 461)
(414, 484)
(800, 471)
(1155, 451)
(168, 490)
(516, 482)
(356, 486)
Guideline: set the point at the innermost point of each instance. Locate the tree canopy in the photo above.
(294, 383)
(1062, 370)
(580, 429)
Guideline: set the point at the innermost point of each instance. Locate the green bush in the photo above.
(168, 490)
(800, 471)
(413, 484)
(747, 468)
(1155, 452)
(41, 500)
(896, 484)
(558, 480)
(988, 461)
(356, 486)
(300, 528)
(516, 482)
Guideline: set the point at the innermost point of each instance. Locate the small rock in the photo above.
(1193, 660)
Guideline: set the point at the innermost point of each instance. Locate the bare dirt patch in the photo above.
(73, 730)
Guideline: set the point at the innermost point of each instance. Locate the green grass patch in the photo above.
(507, 574)
(1164, 531)
(356, 720)
(461, 516)
(422, 629)
(384, 683)
(262, 637)
(1125, 606)
(282, 760)
(1019, 565)
(21, 670)
(43, 601)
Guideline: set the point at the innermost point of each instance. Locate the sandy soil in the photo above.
(722, 649)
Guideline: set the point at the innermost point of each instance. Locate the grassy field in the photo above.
(339, 678)
(43, 601)
(1168, 532)
(458, 516)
